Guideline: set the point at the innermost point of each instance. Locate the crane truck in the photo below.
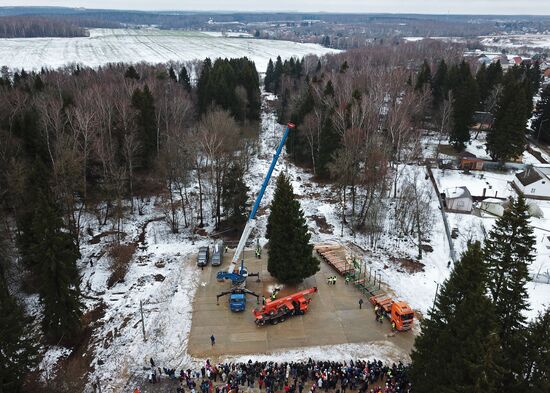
(251, 222)
(238, 274)
(237, 298)
(400, 314)
(275, 311)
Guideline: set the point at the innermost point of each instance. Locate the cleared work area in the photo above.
(334, 316)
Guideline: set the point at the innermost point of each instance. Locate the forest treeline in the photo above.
(37, 26)
(81, 141)
(360, 116)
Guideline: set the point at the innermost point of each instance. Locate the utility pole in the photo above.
(435, 296)
(142, 322)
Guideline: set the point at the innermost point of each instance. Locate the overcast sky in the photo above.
(509, 7)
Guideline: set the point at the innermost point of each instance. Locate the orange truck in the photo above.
(400, 314)
(275, 311)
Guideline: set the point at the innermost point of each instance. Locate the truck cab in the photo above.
(203, 256)
(217, 253)
(237, 302)
(402, 316)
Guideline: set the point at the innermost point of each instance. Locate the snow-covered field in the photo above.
(148, 45)
(516, 41)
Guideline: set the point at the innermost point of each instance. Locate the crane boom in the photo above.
(233, 266)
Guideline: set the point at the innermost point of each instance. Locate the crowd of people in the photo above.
(290, 377)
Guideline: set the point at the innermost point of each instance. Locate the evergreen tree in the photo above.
(59, 292)
(507, 139)
(509, 250)
(465, 99)
(329, 142)
(344, 67)
(457, 349)
(424, 76)
(172, 74)
(184, 80)
(50, 253)
(269, 74)
(494, 74)
(144, 104)
(541, 124)
(482, 83)
(234, 195)
(278, 75)
(203, 86)
(131, 73)
(38, 83)
(537, 366)
(318, 68)
(329, 89)
(290, 253)
(17, 349)
(440, 84)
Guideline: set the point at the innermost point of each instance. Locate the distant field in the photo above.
(149, 45)
(516, 41)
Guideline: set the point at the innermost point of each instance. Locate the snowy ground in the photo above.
(149, 45)
(164, 277)
(516, 41)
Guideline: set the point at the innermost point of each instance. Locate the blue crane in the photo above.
(238, 273)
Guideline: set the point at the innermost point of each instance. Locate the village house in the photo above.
(533, 183)
(458, 200)
(469, 162)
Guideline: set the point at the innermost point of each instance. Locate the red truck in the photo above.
(275, 311)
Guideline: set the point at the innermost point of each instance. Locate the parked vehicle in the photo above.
(237, 298)
(217, 253)
(275, 311)
(400, 314)
(203, 257)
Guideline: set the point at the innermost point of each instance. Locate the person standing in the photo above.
(212, 340)
(360, 304)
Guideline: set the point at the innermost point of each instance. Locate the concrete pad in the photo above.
(333, 318)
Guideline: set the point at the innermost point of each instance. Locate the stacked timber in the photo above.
(336, 256)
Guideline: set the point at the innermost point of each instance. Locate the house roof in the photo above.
(467, 154)
(529, 176)
(457, 192)
(493, 200)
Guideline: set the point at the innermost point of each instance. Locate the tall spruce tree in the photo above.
(440, 84)
(482, 83)
(144, 103)
(457, 349)
(541, 124)
(278, 75)
(290, 253)
(234, 195)
(508, 252)
(203, 87)
(537, 366)
(269, 74)
(424, 76)
(465, 102)
(507, 139)
(18, 353)
(172, 74)
(59, 292)
(131, 73)
(184, 80)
